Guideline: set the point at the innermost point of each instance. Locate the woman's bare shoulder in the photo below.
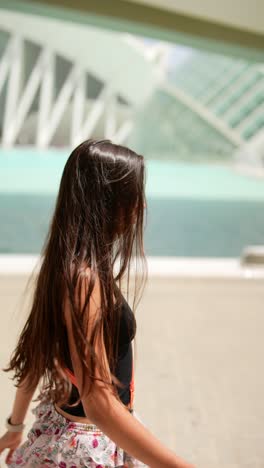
(84, 272)
(85, 276)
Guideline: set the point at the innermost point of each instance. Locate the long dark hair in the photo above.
(98, 221)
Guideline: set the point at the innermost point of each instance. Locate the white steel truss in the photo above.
(41, 82)
(37, 106)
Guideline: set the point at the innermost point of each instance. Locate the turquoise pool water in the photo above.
(193, 210)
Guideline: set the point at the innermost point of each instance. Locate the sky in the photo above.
(177, 53)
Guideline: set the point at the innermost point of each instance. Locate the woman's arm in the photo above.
(109, 414)
(127, 432)
(21, 403)
(23, 397)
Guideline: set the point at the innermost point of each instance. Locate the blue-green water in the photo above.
(193, 210)
(39, 172)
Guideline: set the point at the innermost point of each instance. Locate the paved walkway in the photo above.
(199, 366)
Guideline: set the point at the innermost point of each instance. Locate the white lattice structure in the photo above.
(63, 82)
(38, 111)
(229, 94)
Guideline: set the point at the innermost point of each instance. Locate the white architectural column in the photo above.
(13, 87)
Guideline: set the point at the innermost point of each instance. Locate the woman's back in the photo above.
(124, 334)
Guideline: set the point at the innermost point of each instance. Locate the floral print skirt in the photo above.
(54, 441)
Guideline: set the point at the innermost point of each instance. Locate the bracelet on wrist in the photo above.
(14, 427)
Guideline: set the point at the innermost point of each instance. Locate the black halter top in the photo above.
(124, 367)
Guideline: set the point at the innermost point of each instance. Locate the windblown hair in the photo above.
(98, 222)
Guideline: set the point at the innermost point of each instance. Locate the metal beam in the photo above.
(204, 113)
(59, 106)
(13, 88)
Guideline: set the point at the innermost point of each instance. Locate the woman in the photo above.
(77, 339)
